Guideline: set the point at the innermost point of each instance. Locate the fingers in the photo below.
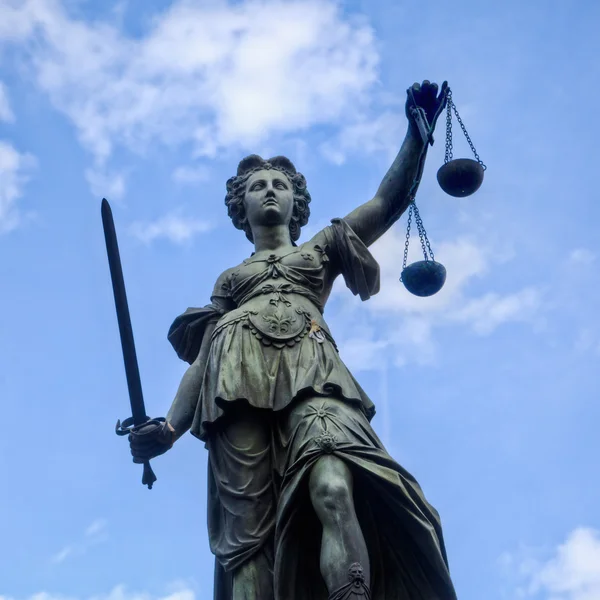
(149, 441)
(141, 455)
(139, 459)
(426, 89)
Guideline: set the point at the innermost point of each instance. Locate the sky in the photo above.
(487, 392)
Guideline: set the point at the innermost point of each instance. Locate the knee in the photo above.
(331, 491)
(333, 495)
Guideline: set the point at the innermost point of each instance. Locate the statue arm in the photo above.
(372, 219)
(183, 408)
(181, 414)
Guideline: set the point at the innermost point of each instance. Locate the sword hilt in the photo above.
(128, 426)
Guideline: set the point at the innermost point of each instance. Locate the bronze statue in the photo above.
(304, 501)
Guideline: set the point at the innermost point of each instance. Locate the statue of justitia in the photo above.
(304, 502)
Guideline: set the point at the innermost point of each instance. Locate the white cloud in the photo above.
(173, 227)
(582, 256)
(62, 555)
(402, 326)
(14, 173)
(191, 175)
(96, 528)
(6, 114)
(486, 313)
(93, 534)
(363, 353)
(105, 184)
(587, 340)
(367, 136)
(120, 592)
(572, 572)
(463, 258)
(215, 74)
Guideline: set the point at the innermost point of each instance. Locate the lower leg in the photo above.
(343, 543)
(242, 503)
(254, 579)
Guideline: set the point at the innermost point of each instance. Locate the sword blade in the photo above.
(132, 372)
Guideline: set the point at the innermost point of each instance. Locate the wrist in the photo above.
(171, 433)
(413, 135)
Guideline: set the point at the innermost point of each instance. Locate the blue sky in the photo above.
(488, 392)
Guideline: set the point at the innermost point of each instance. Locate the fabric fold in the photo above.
(358, 266)
(187, 330)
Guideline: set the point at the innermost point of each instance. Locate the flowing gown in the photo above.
(271, 352)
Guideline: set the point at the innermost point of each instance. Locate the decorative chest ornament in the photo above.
(281, 326)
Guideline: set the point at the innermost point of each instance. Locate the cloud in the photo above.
(173, 227)
(105, 184)
(587, 341)
(367, 135)
(61, 555)
(6, 113)
(486, 313)
(574, 571)
(399, 325)
(191, 175)
(96, 528)
(14, 173)
(178, 591)
(571, 572)
(363, 353)
(463, 258)
(214, 75)
(93, 534)
(582, 256)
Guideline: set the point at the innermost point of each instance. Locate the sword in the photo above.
(132, 372)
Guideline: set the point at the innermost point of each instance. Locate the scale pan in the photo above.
(424, 278)
(460, 177)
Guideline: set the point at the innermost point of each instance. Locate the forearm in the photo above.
(183, 408)
(372, 219)
(396, 184)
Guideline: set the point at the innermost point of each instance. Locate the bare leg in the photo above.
(343, 542)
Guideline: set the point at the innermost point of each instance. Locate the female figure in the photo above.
(304, 501)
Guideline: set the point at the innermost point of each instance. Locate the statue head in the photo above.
(267, 192)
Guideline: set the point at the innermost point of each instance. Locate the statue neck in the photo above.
(271, 238)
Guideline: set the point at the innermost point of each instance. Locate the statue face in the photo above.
(269, 199)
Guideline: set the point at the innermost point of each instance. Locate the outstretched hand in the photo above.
(426, 97)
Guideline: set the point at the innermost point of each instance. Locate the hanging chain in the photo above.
(449, 108)
(462, 126)
(410, 214)
(448, 154)
(425, 245)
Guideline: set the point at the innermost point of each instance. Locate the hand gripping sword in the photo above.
(132, 372)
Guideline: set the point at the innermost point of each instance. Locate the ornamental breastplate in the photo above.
(278, 320)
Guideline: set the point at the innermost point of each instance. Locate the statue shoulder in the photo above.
(223, 282)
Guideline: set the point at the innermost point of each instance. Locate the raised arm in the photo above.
(372, 219)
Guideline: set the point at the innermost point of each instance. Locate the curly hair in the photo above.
(236, 190)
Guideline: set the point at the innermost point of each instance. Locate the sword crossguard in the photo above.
(129, 425)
